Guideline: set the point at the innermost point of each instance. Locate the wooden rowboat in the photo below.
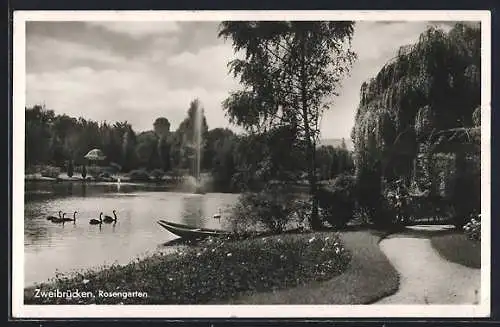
(191, 232)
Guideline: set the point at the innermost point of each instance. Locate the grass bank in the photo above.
(457, 248)
(368, 278)
(217, 270)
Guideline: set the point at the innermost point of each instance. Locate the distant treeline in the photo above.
(235, 161)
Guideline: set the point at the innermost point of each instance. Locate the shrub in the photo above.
(139, 175)
(473, 228)
(398, 202)
(115, 167)
(369, 196)
(94, 171)
(52, 172)
(105, 175)
(337, 200)
(360, 216)
(302, 209)
(466, 192)
(476, 116)
(273, 209)
(84, 171)
(411, 204)
(157, 174)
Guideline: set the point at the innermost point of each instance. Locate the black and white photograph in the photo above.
(218, 164)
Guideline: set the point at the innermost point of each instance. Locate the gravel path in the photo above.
(427, 278)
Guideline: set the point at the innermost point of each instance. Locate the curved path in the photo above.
(427, 278)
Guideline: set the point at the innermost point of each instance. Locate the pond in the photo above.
(51, 248)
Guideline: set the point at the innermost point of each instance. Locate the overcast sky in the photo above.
(138, 71)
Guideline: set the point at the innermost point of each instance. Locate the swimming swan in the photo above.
(54, 217)
(71, 219)
(108, 219)
(59, 220)
(95, 221)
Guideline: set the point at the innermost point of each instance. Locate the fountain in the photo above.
(198, 112)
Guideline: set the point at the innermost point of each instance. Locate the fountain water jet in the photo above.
(198, 113)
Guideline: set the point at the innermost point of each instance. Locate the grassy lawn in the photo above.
(216, 270)
(369, 277)
(455, 247)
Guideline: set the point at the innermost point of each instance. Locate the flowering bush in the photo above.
(473, 228)
(211, 272)
(272, 209)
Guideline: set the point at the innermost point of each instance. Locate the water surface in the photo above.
(51, 247)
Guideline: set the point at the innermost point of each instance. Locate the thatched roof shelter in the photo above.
(95, 155)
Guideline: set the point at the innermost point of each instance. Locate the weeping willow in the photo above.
(430, 86)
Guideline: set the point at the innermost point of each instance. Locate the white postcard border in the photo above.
(19, 310)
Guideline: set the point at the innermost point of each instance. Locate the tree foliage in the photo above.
(289, 72)
(332, 161)
(54, 139)
(161, 126)
(430, 86)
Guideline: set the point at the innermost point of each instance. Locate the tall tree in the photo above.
(146, 150)
(162, 129)
(38, 134)
(164, 149)
(161, 126)
(211, 139)
(223, 164)
(405, 111)
(290, 72)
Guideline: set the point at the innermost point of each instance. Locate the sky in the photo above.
(139, 71)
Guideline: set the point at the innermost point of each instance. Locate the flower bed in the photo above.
(217, 270)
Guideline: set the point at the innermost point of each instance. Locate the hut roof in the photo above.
(95, 154)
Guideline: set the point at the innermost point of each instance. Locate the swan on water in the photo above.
(60, 220)
(54, 217)
(108, 219)
(95, 221)
(71, 219)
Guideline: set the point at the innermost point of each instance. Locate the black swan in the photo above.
(59, 220)
(108, 219)
(71, 219)
(54, 217)
(95, 221)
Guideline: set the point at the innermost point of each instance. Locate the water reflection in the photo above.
(79, 245)
(39, 191)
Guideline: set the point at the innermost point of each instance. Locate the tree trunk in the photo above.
(314, 219)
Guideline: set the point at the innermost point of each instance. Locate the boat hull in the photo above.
(191, 232)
